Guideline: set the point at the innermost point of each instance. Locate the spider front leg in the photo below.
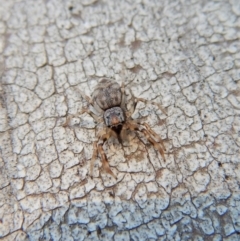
(148, 133)
(154, 134)
(98, 148)
(104, 160)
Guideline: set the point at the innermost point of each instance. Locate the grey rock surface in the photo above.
(184, 55)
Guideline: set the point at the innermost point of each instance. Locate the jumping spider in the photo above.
(109, 99)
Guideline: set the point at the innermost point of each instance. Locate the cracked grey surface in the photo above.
(184, 55)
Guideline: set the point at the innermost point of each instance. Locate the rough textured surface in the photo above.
(181, 54)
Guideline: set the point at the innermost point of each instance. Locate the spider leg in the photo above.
(98, 148)
(136, 99)
(151, 102)
(104, 160)
(85, 110)
(94, 156)
(94, 116)
(154, 134)
(86, 97)
(90, 103)
(131, 111)
(132, 125)
(69, 118)
(123, 96)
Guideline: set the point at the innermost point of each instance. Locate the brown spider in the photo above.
(109, 99)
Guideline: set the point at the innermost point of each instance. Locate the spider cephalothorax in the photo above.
(114, 116)
(109, 99)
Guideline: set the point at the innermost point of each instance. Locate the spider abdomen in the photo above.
(107, 94)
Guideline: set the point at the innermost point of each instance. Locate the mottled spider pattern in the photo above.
(108, 99)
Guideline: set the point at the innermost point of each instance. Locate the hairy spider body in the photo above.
(108, 98)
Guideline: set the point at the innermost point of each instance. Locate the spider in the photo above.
(109, 99)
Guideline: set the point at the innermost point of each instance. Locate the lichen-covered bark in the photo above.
(183, 55)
